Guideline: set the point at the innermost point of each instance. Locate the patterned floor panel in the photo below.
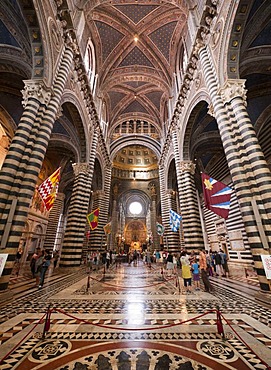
(132, 319)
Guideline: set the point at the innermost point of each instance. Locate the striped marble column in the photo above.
(238, 152)
(114, 221)
(114, 224)
(192, 230)
(76, 221)
(171, 239)
(255, 203)
(23, 162)
(155, 236)
(98, 239)
(101, 198)
(191, 224)
(53, 221)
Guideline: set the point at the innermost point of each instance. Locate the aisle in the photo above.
(133, 318)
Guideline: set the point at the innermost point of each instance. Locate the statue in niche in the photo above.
(115, 189)
(153, 189)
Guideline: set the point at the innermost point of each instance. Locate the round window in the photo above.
(135, 208)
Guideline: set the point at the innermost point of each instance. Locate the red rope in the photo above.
(133, 329)
(17, 345)
(132, 287)
(245, 343)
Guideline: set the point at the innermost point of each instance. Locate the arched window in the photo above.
(90, 64)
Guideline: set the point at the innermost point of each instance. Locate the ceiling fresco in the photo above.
(136, 44)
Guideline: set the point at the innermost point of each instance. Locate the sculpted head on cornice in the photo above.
(70, 41)
(179, 107)
(194, 61)
(181, 100)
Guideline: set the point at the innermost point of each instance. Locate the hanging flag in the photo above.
(160, 229)
(174, 220)
(216, 196)
(93, 218)
(108, 228)
(48, 189)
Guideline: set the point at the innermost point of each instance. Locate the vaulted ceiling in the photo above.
(136, 45)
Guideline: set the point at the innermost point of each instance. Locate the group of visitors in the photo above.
(195, 265)
(40, 262)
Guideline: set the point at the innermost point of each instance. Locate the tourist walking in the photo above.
(204, 270)
(45, 265)
(196, 275)
(186, 272)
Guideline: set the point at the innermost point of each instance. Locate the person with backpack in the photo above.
(44, 267)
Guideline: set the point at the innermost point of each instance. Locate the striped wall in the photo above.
(168, 200)
(248, 169)
(53, 221)
(192, 229)
(98, 238)
(23, 162)
(234, 223)
(191, 224)
(76, 220)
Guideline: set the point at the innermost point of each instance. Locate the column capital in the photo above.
(60, 196)
(98, 194)
(233, 88)
(36, 89)
(80, 168)
(171, 193)
(187, 166)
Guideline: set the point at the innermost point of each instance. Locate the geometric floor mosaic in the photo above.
(132, 319)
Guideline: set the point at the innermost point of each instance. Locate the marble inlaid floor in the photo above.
(134, 318)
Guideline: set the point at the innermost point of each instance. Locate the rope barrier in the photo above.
(245, 343)
(17, 345)
(219, 325)
(133, 329)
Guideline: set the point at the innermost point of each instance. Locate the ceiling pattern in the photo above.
(109, 33)
(135, 76)
(135, 156)
(136, 12)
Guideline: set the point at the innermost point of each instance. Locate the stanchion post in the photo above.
(88, 282)
(47, 322)
(104, 273)
(219, 323)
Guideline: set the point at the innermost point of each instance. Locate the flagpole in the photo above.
(205, 239)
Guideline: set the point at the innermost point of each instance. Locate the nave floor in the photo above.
(131, 318)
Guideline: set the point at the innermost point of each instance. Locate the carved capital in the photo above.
(60, 197)
(36, 89)
(233, 88)
(171, 193)
(188, 166)
(98, 194)
(80, 168)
